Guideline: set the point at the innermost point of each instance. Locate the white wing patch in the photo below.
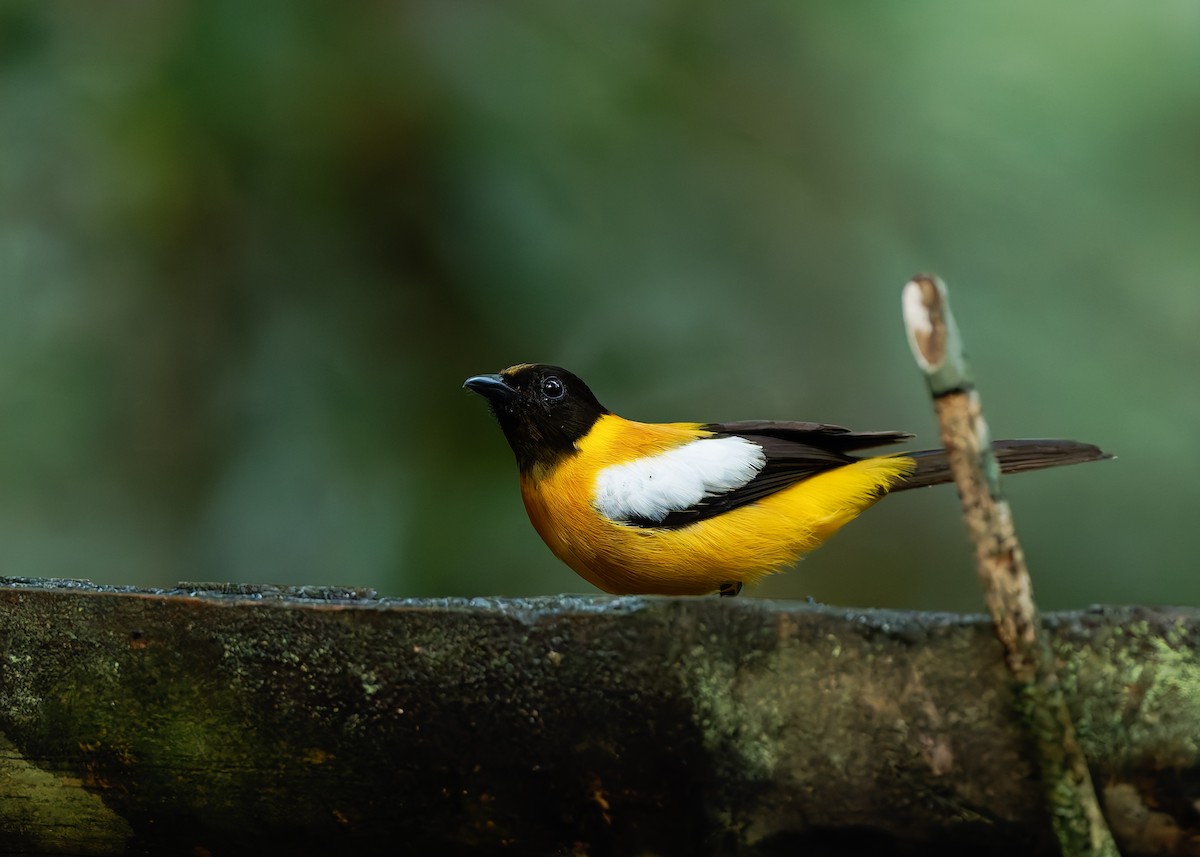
(653, 487)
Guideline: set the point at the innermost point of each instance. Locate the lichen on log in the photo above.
(240, 719)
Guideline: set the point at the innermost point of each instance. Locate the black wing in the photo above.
(821, 435)
(794, 452)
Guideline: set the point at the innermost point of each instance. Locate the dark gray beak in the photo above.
(491, 387)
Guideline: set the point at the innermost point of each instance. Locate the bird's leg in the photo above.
(729, 589)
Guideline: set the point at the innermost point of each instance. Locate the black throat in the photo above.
(540, 440)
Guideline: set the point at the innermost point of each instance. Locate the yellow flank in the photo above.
(740, 546)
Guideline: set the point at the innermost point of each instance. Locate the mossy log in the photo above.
(243, 720)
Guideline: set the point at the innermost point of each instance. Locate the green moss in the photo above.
(47, 812)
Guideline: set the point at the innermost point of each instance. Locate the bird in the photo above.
(691, 508)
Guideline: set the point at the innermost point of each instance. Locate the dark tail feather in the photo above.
(1015, 456)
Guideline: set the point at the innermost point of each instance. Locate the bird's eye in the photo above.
(552, 388)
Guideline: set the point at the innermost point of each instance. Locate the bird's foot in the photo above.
(729, 589)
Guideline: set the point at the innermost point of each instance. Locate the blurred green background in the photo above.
(250, 251)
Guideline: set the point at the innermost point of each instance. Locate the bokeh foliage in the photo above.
(248, 253)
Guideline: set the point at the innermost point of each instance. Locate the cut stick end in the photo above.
(924, 321)
(932, 334)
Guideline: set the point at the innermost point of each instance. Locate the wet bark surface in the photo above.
(235, 719)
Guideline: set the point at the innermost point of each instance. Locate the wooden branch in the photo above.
(251, 720)
(1008, 590)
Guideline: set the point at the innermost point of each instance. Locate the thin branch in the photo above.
(1008, 591)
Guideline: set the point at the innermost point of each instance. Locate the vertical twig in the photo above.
(937, 347)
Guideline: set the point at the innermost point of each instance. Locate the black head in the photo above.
(542, 410)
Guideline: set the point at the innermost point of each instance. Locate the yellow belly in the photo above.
(740, 546)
